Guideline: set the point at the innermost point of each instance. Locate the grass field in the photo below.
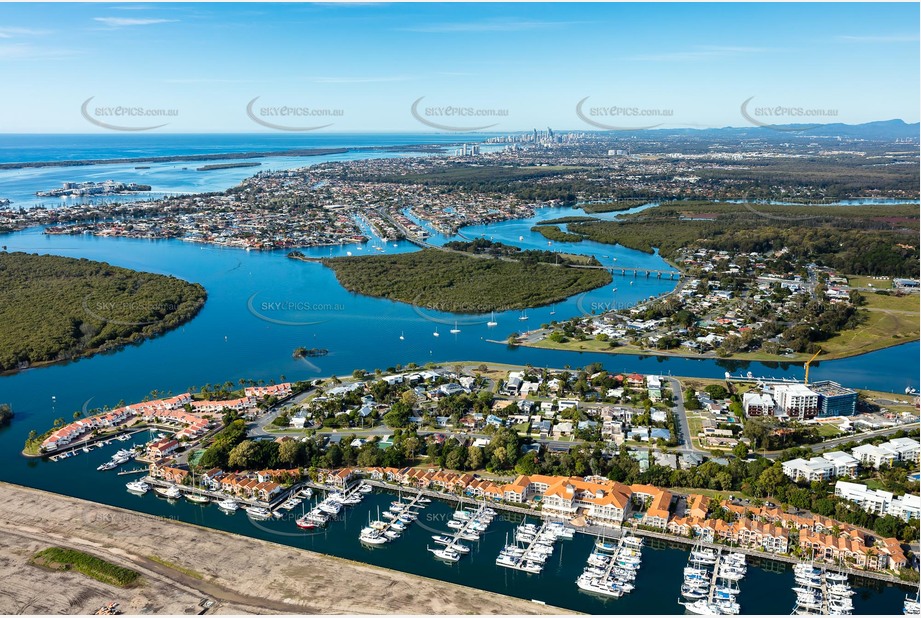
(828, 430)
(60, 559)
(861, 281)
(891, 320)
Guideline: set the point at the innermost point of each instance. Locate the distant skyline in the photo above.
(520, 65)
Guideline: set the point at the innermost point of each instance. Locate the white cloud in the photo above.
(12, 32)
(21, 51)
(700, 52)
(491, 26)
(890, 38)
(118, 22)
(361, 80)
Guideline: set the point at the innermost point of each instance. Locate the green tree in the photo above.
(244, 455)
(474, 458)
(772, 479)
(289, 452)
(456, 459)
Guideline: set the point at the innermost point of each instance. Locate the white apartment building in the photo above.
(873, 456)
(796, 400)
(906, 448)
(758, 404)
(815, 469)
(845, 465)
(898, 449)
(880, 502)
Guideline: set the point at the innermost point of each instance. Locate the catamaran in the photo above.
(455, 330)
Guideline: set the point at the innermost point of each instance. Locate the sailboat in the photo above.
(553, 310)
(436, 332)
(523, 316)
(455, 330)
(401, 336)
(194, 497)
(492, 320)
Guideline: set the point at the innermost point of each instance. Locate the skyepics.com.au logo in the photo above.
(292, 311)
(467, 313)
(787, 118)
(114, 312)
(290, 117)
(125, 117)
(448, 525)
(620, 117)
(114, 519)
(457, 118)
(595, 303)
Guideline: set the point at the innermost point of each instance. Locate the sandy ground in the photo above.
(242, 575)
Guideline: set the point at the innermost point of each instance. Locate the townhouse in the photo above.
(74, 431)
(274, 390)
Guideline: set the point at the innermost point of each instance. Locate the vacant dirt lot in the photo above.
(242, 575)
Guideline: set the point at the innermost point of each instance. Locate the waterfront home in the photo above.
(214, 407)
(73, 431)
(274, 390)
(635, 380)
(831, 548)
(161, 448)
(168, 473)
(279, 476)
(212, 478)
(266, 491)
(657, 501)
(697, 506)
(336, 478)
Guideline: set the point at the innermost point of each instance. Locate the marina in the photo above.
(228, 339)
(467, 525)
(768, 584)
(820, 592)
(612, 567)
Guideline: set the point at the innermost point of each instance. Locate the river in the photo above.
(246, 331)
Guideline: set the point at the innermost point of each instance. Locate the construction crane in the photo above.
(806, 379)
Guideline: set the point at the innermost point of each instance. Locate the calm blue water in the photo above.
(765, 590)
(240, 333)
(18, 148)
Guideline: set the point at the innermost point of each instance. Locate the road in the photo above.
(681, 413)
(854, 437)
(257, 428)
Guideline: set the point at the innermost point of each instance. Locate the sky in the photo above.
(68, 68)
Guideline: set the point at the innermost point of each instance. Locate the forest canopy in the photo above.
(56, 308)
(448, 281)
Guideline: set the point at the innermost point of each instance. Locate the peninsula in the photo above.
(301, 152)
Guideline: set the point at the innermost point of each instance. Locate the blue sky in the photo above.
(372, 61)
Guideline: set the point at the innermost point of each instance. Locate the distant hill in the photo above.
(880, 130)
